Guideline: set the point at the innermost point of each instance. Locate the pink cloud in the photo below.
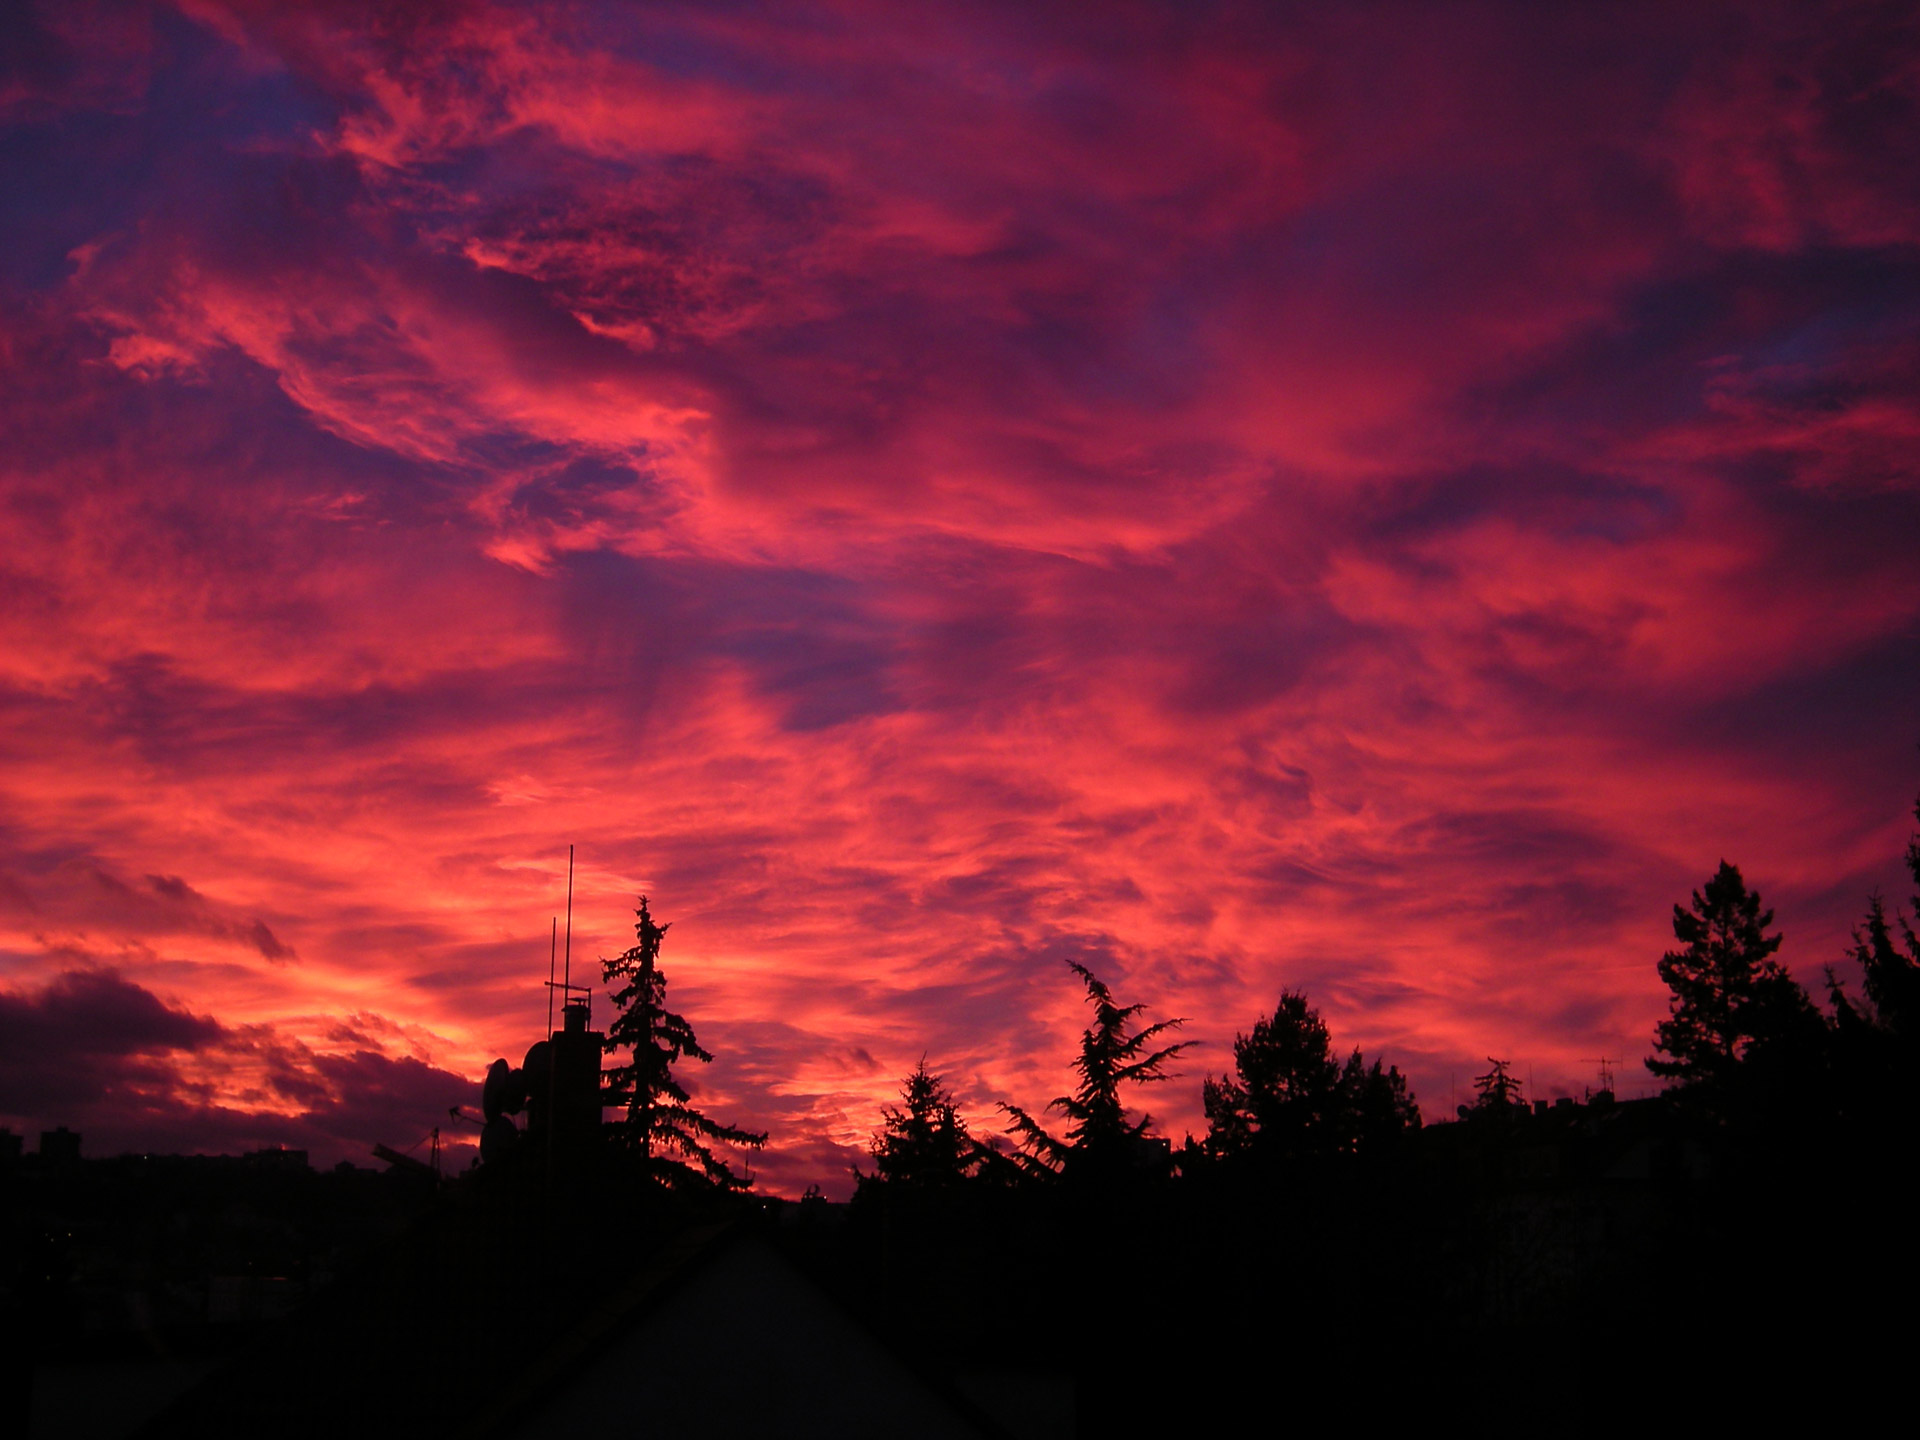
(1374, 502)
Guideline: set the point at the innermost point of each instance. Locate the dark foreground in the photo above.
(1631, 1264)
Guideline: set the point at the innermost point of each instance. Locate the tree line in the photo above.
(1743, 1042)
(1318, 1245)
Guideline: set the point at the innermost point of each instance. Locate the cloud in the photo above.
(1362, 499)
(131, 1070)
(65, 1044)
(91, 905)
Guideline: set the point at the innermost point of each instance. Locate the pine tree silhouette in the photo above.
(660, 1125)
(924, 1142)
(1375, 1106)
(1891, 968)
(1289, 1100)
(1730, 997)
(1877, 1044)
(1099, 1137)
(1499, 1092)
(1284, 1090)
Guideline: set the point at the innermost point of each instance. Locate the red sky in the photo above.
(1370, 499)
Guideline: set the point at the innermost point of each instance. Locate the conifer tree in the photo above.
(673, 1141)
(1878, 1045)
(1891, 968)
(1498, 1092)
(1100, 1137)
(1376, 1106)
(1289, 1100)
(1730, 998)
(924, 1142)
(1283, 1093)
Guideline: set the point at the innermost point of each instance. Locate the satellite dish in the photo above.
(537, 1069)
(493, 1093)
(500, 1136)
(505, 1092)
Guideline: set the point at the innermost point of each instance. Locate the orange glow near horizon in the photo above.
(1378, 503)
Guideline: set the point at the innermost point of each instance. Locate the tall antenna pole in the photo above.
(553, 1046)
(1606, 1071)
(553, 954)
(569, 972)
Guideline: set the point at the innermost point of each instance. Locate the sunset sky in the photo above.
(1376, 499)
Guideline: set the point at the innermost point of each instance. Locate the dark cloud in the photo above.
(80, 895)
(370, 1095)
(91, 1036)
(108, 1057)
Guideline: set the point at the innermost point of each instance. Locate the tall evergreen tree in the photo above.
(1100, 1138)
(673, 1141)
(924, 1142)
(1376, 1106)
(1498, 1092)
(1891, 968)
(1284, 1093)
(1877, 1046)
(1731, 1001)
(1290, 1100)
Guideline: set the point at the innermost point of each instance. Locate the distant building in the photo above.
(9, 1147)
(59, 1147)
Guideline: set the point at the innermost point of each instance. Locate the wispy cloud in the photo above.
(1379, 500)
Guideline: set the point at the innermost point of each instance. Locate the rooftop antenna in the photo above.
(576, 1009)
(1606, 1070)
(553, 953)
(569, 971)
(568, 990)
(553, 1048)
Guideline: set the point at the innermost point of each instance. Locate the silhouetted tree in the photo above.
(924, 1142)
(660, 1125)
(1732, 1003)
(1290, 1100)
(1890, 968)
(1376, 1107)
(1100, 1138)
(1499, 1092)
(1285, 1092)
(1875, 1046)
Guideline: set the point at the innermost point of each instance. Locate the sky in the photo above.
(1376, 500)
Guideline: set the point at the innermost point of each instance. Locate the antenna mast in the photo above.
(553, 952)
(1606, 1065)
(569, 971)
(569, 1010)
(565, 984)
